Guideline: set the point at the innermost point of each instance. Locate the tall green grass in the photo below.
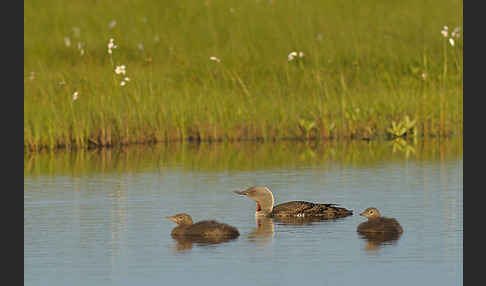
(364, 67)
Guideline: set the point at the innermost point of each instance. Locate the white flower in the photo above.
(291, 56)
(424, 75)
(445, 31)
(111, 45)
(456, 32)
(451, 41)
(75, 95)
(124, 81)
(32, 76)
(215, 59)
(80, 48)
(112, 24)
(140, 47)
(120, 69)
(67, 41)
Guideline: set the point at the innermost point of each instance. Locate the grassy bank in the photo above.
(366, 64)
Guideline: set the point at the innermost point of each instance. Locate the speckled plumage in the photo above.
(297, 209)
(308, 209)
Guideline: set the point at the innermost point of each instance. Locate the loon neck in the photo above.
(261, 213)
(265, 202)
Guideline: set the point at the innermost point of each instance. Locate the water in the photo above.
(97, 217)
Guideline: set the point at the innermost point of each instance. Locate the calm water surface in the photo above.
(97, 217)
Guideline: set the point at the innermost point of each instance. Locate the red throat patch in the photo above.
(259, 208)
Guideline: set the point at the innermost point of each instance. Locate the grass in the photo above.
(363, 69)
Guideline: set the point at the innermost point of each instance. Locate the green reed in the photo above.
(366, 64)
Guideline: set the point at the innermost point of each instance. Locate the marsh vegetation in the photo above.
(101, 73)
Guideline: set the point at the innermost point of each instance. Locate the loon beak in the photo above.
(362, 214)
(241, 193)
(245, 193)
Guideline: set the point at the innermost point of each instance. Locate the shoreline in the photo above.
(316, 140)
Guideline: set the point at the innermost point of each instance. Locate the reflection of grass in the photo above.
(363, 68)
(234, 156)
(401, 145)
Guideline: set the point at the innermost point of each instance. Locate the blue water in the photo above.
(108, 228)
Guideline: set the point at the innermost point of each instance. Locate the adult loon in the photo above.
(376, 223)
(209, 231)
(297, 209)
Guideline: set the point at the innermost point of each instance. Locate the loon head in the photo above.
(371, 213)
(181, 219)
(262, 196)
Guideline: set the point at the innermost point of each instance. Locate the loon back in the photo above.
(381, 224)
(210, 229)
(308, 209)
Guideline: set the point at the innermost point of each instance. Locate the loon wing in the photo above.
(301, 208)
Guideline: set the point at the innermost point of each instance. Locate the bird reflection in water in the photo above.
(302, 220)
(264, 231)
(186, 243)
(375, 240)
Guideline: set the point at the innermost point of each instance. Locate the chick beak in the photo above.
(172, 218)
